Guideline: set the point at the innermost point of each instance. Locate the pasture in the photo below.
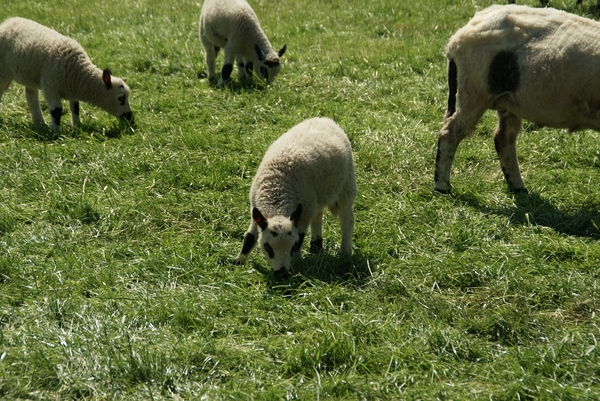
(116, 244)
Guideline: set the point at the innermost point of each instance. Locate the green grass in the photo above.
(116, 279)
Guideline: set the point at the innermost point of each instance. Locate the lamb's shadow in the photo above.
(237, 85)
(532, 209)
(322, 267)
(43, 133)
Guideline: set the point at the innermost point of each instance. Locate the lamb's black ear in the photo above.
(281, 51)
(295, 216)
(259, 53)
(106, 78)
(259, 219)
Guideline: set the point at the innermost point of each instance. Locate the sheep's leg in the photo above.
(227, 65)
(74, 106)
(346, 216)
(210, 54)
(241, 66)
(456, 128)
(316, 233)
(33, 102)
(249, 241)
(505, 139)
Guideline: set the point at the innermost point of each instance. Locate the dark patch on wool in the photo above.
(504, 75)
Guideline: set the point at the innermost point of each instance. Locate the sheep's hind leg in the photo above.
(346, 217)
(74, 106)
(316, 233)
(456, 128)
(33, 102)
(505, 140)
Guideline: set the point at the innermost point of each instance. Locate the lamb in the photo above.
(545, 2)
(308, 168)
(233, 25)
(538, 64)
(40, 58)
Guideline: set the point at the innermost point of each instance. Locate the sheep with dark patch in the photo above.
(538, 64)
(307, 169)
(40, 58)
(233, 26)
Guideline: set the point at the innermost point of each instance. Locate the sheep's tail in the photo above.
(452, 88)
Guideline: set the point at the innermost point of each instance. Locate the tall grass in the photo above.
(116, 279)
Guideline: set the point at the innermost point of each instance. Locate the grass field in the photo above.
(116, 279)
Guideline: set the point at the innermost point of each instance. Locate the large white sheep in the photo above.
(233, 26)
(40, 58)
(538, 64)
(307, 169)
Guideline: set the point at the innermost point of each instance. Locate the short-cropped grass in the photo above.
(116, 245)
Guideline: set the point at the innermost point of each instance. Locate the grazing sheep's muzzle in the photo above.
(128, 117)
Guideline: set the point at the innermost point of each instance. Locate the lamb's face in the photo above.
(117, 97)
(270, 65)
(278, 242)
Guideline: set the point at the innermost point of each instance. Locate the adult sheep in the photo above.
(307, 169)
(40, 58)
(233, 26)
(545, 2)
(538, 64)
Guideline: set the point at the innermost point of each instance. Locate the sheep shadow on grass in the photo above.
(322, 267)
(533, 209)
(237, 85)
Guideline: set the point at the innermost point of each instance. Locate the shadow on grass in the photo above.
(532, 209)
(43, 133)
(321, 267)
(239, 85)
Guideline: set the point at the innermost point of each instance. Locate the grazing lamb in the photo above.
(233, 25)
(40, 58)
(538, 64)
(308, 168)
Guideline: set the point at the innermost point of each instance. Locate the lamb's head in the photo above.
(116, 97)
(278, 238)
(269, 63)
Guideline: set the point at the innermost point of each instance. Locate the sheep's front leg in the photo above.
(243, 69)
(250, 239)
(505, 140)
(55, 107)
(210, 54)
(33, 102)
(316, 233)
(74, 106)
(227, 66)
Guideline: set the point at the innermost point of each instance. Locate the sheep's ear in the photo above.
(106, 78)
(259, 53)
(281, 51)
(295, 217)
(259, 219)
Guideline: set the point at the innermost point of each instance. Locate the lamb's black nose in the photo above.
(281, 274)
(128, 117)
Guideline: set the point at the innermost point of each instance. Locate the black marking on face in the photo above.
(271, 64)
(274, 233)
(452, 88)
(298, 245)
(56, 114)
(316, 245)
(259, 53)
(249, 67)
(226, 71)
(504, 75)
(269, 250)
(75, 108)
(249, 241)
(121, 99)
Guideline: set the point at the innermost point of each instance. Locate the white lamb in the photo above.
(233, 25)
(40, 58)
(308, 168)
(538, 64)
